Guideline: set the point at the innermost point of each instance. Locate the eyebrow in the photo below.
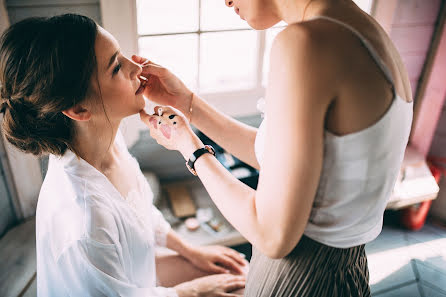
(112, 59)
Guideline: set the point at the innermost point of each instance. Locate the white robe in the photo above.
(90, 240)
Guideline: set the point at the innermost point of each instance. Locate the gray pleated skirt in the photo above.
(312, 269)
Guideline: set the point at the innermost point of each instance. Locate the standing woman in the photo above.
(338, 118)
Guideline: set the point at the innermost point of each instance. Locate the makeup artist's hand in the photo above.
(217, 259)
(172, 130)
(163, 87)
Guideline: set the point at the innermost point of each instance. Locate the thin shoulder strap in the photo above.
(368, 46)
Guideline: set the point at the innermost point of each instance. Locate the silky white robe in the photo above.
(92, 241)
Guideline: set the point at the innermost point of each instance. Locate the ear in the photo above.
(77, 113)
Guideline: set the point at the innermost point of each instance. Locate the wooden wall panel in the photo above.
(413, 24)
(412, 39)
(416, 12)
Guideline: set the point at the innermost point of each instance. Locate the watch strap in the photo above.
(190, 164)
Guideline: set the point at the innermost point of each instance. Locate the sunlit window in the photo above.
(206, 44)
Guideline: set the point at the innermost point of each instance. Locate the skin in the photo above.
(112, 97)
(331, 84)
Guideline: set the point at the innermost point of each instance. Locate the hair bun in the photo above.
(35, 85)
(5, 105)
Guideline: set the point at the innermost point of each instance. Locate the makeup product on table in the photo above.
(215, 224)
(192, 224)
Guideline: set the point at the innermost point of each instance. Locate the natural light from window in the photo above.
(206, 44)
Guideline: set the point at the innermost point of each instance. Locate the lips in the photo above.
(142, 85)
(237, 10)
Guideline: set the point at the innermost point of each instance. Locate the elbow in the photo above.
(279, 247)
(275, 253)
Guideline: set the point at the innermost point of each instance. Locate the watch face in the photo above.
(210, 149)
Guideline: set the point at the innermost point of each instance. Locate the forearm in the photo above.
(234, 136)
(175, 243)
(234, 199)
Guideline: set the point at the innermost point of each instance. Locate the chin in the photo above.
(135, 108)
(259, 24)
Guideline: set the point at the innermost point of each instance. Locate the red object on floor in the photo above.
(414, 216)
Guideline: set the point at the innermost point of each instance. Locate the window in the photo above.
(206, 44)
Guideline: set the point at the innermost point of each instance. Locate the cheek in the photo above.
(124, 87)
(122, 91)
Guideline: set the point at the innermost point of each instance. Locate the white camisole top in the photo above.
(359, 171)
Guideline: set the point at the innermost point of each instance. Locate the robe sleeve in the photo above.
(160, 227)
(93, 264)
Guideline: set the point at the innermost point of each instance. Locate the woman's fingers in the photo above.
(166, 112)
(160, 110)
(235, 284)
(149, 120)
(236, 256)
(162, 128)
(153, 69)
(231, 294)
(229, 263)
(217, 269)
(149, 67)
(141, 60)
(144, 117)
(138, 59)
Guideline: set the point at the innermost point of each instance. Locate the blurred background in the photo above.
(219, 57)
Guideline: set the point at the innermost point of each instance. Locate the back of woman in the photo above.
(366, 131)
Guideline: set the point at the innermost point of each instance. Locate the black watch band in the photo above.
(190, 164)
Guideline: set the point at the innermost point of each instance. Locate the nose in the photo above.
(229, 3)
(136, 69)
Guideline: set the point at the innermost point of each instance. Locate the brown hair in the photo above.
(45, 67)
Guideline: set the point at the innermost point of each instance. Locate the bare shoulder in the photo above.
(310, 59)
(302, 36)
(308, 43)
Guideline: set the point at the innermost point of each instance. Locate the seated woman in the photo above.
(65, 90)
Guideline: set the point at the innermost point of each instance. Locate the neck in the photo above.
(292, 11)
(95, 143)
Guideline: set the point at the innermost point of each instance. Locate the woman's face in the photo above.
(260, 14)
(118, 78)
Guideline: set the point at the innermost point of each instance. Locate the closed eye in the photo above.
(116, 69)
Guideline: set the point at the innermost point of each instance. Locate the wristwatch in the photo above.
(190, 164)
